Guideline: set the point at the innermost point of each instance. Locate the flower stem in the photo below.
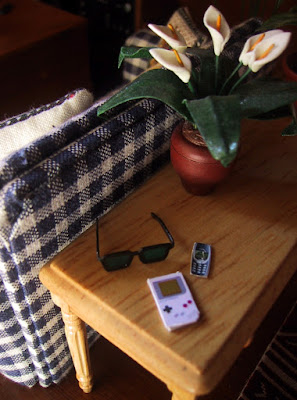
(196, 77)
(240, 80)
(191, 87)
(217, 73)
(230, 77)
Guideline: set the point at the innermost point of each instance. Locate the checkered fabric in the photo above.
(20, 130)
(132, 67)
(51, 191)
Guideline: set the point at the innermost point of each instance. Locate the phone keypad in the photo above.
(200, 269)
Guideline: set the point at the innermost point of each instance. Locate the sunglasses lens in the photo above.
(114, 261)
(154, 253)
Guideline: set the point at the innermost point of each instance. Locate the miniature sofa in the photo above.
(61, 167)
(52, 190)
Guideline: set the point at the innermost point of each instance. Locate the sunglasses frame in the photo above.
(131, 254)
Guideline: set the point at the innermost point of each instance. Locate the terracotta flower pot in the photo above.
(289, 63)
(198, 170)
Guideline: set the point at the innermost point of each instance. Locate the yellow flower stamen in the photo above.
(178, 58)
(173, 31)
(266, 52)
(219, 22)
(257, 42)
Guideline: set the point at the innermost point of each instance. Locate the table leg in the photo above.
(76, 335)
(180, 394)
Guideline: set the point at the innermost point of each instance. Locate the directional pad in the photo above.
(167, 309)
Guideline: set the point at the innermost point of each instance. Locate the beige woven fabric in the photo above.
(16, 134)
(182, 21)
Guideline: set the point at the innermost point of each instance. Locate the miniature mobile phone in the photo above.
(200, 260)
(174, 300)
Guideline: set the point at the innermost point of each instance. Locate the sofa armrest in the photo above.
(44, 207)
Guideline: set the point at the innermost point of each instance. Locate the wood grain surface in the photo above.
(251, 223)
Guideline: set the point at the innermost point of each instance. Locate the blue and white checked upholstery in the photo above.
(132, 67)
(52, 191)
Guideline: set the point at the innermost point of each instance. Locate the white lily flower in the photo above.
(218, 28)
(254, 41)
(171, 36)
(268, 50)
(180, 64)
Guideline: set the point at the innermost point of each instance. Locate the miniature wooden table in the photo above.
(251, 223)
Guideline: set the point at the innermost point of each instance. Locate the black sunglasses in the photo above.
(148, 254)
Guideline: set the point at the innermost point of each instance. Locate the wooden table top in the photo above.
(251, 223)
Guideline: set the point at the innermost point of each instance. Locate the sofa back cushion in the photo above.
(19, 131)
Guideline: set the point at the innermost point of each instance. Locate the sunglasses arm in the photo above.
(165, 229)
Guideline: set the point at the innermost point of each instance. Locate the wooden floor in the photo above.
(117, 377)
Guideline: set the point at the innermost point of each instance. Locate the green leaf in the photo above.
(218, 120)
(157, 84)
(280, 20)
(134, 52)
(261, 96)
(206, 74)
(290, 130)
(207, 71)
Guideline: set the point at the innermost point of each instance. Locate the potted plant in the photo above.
(207, 89)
